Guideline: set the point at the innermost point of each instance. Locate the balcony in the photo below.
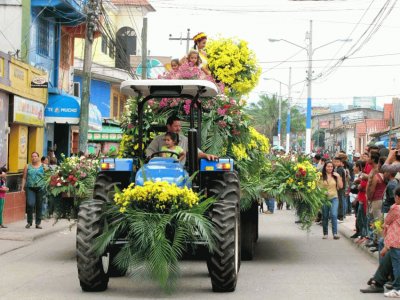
(66, 11)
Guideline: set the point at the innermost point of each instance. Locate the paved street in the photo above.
(289, 264)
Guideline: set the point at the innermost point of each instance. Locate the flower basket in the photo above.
(296, 181)
(70, 183)
(159, 220)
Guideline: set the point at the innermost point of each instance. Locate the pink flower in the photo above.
(163, 102)
(232, 101)
(186, 107)
(221, 111)
(130, 126)
(151, 102)
(222, 124)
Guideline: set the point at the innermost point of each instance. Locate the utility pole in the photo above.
(187, 39)
(288, 115)
(309, 81)
(91, 26)
(144, 49)
(279, 114)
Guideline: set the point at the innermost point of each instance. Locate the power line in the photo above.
(330, 59)
(286, 60)
(368, 33)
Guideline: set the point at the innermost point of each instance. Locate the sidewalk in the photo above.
(346, 229)
(16, 235)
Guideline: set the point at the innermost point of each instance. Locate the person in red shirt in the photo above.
(391, 234)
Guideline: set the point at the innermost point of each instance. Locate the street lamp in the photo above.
(310, 52)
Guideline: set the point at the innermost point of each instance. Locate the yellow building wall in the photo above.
(98, 56)
(23, 141)
(21, 76)
(36, 137)
(18, 148)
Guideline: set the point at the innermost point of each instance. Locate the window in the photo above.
(115, 106)
(121, 107)
(126, 46)
(111, 50)
(104, 44)
(42, 37)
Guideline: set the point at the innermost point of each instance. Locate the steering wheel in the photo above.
(165, 151)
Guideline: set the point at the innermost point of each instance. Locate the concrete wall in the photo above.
(10, 24)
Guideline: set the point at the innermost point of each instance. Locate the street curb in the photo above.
(347, 233)
(19, 233)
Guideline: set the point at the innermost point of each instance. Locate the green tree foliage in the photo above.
(264, 116)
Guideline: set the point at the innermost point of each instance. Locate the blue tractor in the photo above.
(213, 178)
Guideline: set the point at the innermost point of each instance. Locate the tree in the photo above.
(319, 138)
(265, 115)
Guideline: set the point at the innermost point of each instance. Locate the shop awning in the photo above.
(107, 133)
(65, 108)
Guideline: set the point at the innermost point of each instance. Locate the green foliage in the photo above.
(155, 241)
(296, 181)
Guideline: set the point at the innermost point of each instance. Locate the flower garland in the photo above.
(159, 197)
(233, 63)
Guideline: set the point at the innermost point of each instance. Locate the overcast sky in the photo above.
(257, 21)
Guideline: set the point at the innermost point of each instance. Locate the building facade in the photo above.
(343, 129)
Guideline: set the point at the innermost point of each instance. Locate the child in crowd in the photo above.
(171, 141)
(391, 233)
(3, 190)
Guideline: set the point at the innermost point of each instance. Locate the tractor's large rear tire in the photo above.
(249, 232)
(92, 267)
(223, 265)
(104, 189)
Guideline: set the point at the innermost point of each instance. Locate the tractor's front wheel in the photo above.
(223, 264)
(92, 267)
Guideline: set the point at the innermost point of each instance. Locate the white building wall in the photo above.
(351, 141)
(10, 25)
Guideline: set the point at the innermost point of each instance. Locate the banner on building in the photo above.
(28, 112)
(364, 102)
(324, 124)
(352, 117)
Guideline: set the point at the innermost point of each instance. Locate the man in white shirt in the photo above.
(174, 125)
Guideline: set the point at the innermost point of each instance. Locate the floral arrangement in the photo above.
(296, 181)
(233, 63)
(160, 197)
(377, 227)
(70, 183)
(74, 176)
(159, 220)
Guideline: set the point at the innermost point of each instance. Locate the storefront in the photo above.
(21, 126)
(61, 116)
(105, 141)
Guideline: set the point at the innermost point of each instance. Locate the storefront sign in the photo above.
(39, 81)
(353, 117)
(28, 112)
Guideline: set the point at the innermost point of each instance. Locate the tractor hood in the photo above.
(163, 169)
